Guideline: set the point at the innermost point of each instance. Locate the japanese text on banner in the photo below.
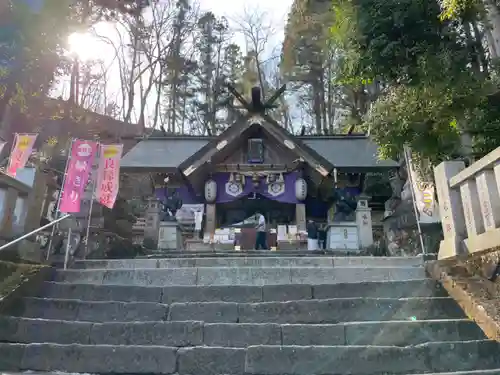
(23, 145)
(108, 177)
(424, 194)
(78, 171)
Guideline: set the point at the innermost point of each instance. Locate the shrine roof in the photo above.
(167, 152)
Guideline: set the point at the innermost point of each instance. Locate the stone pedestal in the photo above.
(364, 223)
(35, 202)
(211, 220)
(9, 206)
(169, 236)
(29, 250)
(342, 236)
(300, 216)
(152, 220)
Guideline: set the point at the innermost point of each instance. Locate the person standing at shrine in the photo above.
(312, 236)
(260, 238)
(322, 237)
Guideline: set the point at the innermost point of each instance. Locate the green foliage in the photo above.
(423, 55)
(39, 39)
(430, 125)
(36, 40)
(454, 9)
(483, 124)
(395, 41)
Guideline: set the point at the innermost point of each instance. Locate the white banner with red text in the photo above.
(108, 174)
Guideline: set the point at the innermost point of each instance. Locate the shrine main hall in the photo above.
(258, 166)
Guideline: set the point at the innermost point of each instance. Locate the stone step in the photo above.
(478, 372)
(318, 311)
(431, 357)
(241, 335)
(239, 276)
(250, 253)
(335, 310)
(255, 360)
(90, 311)
(252, 262)
(240, 293)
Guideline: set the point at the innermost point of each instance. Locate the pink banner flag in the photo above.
(21, 151)
(78, 171)
(108, 175)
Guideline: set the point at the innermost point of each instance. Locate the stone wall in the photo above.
(400, 224)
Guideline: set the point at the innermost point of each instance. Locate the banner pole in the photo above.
(49, 248)
(413, 198)
(93, 181)
(12, 147)
(68, 247)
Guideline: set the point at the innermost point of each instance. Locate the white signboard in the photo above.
(343, 237)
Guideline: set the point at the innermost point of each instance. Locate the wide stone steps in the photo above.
(164, 254)
(255, 360)
(237, 335)
(284, 261)
(252, 314)
(241, 293)
(335, 310)
(202, 276)
(478, 372)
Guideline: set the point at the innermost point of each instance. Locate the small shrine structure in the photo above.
(256, 165)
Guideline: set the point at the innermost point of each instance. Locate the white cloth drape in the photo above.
(312, 244)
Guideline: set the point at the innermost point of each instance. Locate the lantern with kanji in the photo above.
(210, 191)
(300, 189)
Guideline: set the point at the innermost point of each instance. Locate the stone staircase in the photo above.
(268, 315)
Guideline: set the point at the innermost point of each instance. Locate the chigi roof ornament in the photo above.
(256, 106)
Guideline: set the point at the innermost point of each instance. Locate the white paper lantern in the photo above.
(300, 189)
(210, 191)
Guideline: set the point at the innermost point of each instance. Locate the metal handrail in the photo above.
(33, 232)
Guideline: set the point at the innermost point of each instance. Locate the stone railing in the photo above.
(469, 201)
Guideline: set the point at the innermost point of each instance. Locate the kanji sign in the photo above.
(108, 177)
(77, 175)
(23, 145)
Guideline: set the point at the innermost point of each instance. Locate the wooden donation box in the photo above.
(249, 235)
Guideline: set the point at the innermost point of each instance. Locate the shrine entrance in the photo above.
(244, 208)
(240, 213)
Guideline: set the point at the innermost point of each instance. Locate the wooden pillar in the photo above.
(211, 220)
(9, 206)
(35, 201)
(300, 216)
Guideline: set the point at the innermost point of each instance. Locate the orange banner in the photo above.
(21, 151)
(108, 175)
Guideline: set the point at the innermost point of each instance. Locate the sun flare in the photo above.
(86, 47)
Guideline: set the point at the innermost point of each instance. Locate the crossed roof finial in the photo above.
(256, 106)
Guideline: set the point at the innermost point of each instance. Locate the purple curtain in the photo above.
(228, 191)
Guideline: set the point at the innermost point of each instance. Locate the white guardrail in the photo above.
(469, 201)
